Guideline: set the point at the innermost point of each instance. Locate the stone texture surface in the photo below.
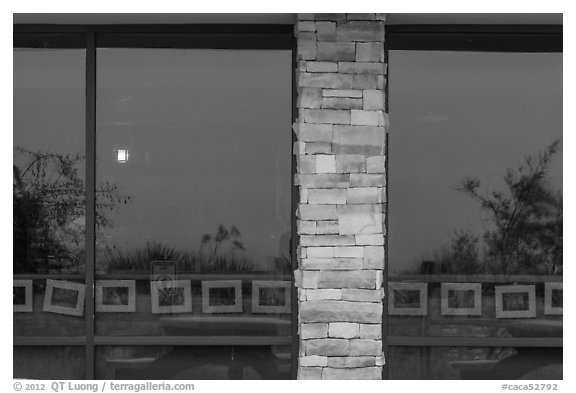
(341, 175)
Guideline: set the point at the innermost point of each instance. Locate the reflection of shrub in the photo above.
(139, 260)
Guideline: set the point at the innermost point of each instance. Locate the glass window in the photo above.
(475, 211)
(49, 191)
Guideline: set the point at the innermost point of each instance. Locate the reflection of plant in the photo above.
(49, 206)
(216, 243)
(527, 217)
(140, 260)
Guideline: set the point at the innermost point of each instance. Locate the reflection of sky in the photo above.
(457, 114)
(209, 136)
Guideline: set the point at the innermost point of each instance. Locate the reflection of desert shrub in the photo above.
(139, 260)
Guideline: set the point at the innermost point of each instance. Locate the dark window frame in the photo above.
(462, 38)
(194, 36)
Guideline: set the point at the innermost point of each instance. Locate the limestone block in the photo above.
(376, 164)
(373, 99)
(361, 279)
(305, 17)
(360, 31)
(310, 373)
(326, 347)
(351, 361)
(324, 180)
(313, 330)
(322, 196)
(309, 279)
(360, 16)
(324, 294)
(343, 329)
(309, 97)
(371, 331)
(298, 278)
(365, 118)
(365, 180)
(307, 164)
(321, 66)
(327, 80)
(342, 103)
(364, 347)
(336, 51)
(359, 219)
(365, 81)
(340, 311)
(299, 148)
(370, 240)
(332, 17)
(326, 240)
(327, 227)
(350, 163)
(362, 140)
(326, 31)
(325, 164)
(342, 93)
(306, 227)
(332, 263)
(362, 295)
(303, 195)
(318, 147)
(374, 257)
(364, 68)
(349, 252)
(370, 51)
(317, 212)
(306, 46)
(329, 116)
(313, 361)
(319, 252)
(360, 373)
(314, 132)
(305, 26)
(362, 195)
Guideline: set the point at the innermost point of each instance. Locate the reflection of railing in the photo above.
(483, 278)
(146, 276)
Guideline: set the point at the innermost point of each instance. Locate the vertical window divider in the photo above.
(90, 196)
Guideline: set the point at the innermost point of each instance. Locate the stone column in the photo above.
(341, 175)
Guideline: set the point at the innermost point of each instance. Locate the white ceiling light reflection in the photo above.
(122, 155)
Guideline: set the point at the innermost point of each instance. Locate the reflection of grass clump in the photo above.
(214, 255)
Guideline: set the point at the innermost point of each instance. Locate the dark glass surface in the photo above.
(475, 217)
(475, 363)
(49, 363)
(193, 363)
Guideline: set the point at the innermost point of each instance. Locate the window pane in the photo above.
(475, 363)
(476, 197)
(48, 188)
(195, 146)
(49, 363)
(193, 363)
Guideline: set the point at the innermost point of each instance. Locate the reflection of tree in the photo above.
(527, 233)
(49, 207)
(212, 245)
(527, 216)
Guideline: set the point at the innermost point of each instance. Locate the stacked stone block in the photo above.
(341, 175)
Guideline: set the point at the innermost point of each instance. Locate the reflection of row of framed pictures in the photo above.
(465, 299)
(172, 296)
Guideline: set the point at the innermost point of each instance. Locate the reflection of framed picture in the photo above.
(116, 296)
(64, 297)
(222, 296)
(271, 296)
(461, 298)
(171, 296)
(515, 301)
(22, 295)
(553, 294)
(407, 298)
